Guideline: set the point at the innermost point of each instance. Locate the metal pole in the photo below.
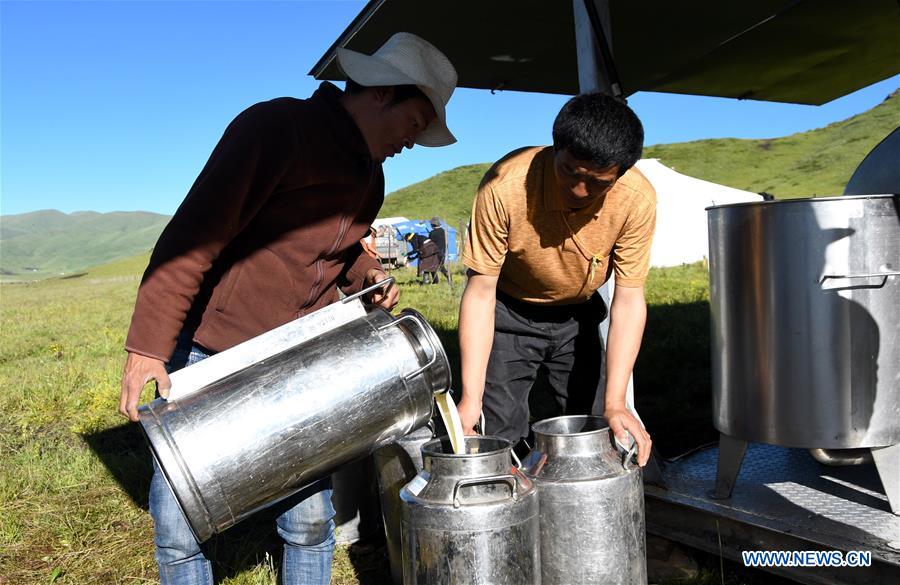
(591, 64)
(603, 43)
(596, 72)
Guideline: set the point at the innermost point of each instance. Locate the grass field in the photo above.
(74, 476)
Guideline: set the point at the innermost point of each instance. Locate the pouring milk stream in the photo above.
(450, 416)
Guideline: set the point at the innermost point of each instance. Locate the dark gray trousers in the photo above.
(564, 342)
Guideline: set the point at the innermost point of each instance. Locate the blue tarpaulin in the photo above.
(423, 227)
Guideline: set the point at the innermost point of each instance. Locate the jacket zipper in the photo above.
(342, 231)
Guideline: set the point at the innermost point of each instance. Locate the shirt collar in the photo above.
(552, 200)
(344, 125)
(552, 197)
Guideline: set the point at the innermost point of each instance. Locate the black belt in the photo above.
(594, 308)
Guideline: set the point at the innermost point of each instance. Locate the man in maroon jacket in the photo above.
(269, 232)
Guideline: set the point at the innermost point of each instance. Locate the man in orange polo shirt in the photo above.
(549, 226)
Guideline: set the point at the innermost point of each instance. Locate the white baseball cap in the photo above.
(406, 59)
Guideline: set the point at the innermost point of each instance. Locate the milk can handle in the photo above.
(629, 452)
(381, 283)
(434, 351)
(626, 463)
(508, 479)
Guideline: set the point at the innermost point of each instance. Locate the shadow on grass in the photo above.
(123, 451)
(673, 378)
(450, 340)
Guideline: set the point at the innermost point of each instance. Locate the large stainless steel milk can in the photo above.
(396, 464)
(470, 519)
(260, 434)
(592, 504)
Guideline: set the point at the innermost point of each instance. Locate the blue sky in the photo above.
(116, 105)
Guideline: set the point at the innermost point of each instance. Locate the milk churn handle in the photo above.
(626, 463)
(511, 451)
(434, 350)
(508, 479)
(629, 453)
(380, 284)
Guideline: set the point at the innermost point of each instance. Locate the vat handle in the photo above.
(508, 479)
(883, 275)
(381, 283)
(434, 351)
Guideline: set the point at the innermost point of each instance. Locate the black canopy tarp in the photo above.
(801, 51)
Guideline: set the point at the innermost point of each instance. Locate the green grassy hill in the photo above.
(808, 164)
(447, 195)
(813, 163)
(49, 242)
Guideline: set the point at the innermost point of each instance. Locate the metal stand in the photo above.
(786, 501)
(731, 456)
(887, 462)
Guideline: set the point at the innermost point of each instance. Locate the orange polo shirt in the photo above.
(545, 253)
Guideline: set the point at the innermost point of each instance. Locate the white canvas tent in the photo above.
(681, 234)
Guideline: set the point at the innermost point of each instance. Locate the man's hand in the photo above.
(386, 299)
(139, 370)
(620, 420)
(469, 414)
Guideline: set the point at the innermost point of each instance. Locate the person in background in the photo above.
(425, 251)
(439, 237)
(269, 232)
(549, 226)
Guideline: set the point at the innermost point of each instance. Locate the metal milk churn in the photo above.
(396, 464)
(240, 432)
(592, 504)
(470, 519)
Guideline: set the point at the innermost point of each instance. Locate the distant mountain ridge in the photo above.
(51, 243)
(813, 163)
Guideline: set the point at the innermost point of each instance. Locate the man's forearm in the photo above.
(476, 336)
(628, 316)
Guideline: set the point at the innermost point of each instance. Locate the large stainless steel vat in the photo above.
(470, 519)
(592, 504)
(260, 434)
(805, 299)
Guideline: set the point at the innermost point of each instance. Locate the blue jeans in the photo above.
(307, 528)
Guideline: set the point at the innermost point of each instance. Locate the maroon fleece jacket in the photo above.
(268, 231)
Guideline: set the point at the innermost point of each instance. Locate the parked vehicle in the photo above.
(394, 250)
